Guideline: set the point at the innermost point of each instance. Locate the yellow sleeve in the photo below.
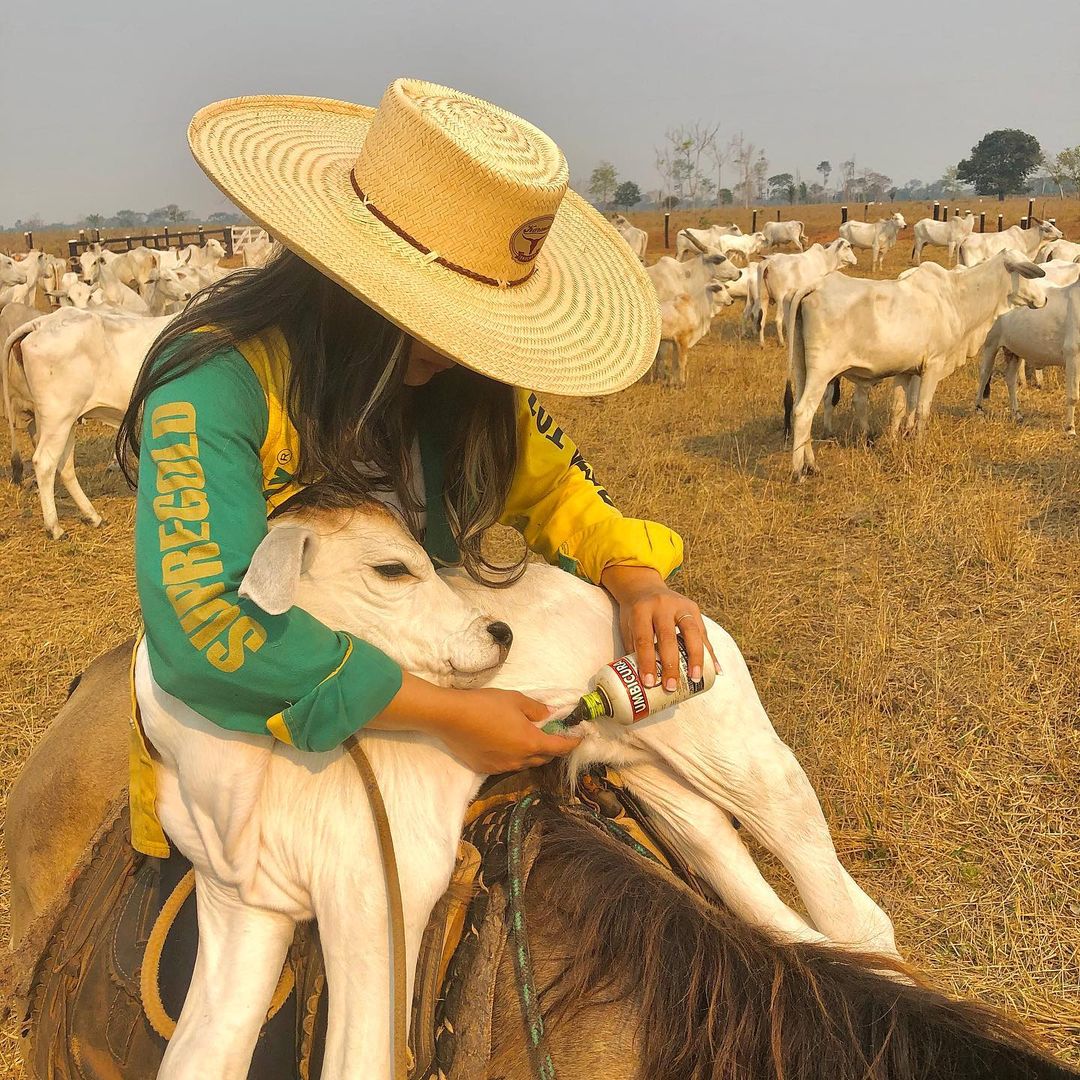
(565, 514)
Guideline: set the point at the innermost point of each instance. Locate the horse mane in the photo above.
(719, 999)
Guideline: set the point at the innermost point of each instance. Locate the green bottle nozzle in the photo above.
(592, 705)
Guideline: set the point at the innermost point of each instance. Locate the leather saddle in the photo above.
(105, 993)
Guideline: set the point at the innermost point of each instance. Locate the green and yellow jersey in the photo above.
(218, 455)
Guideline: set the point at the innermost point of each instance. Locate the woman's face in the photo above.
(424, 363)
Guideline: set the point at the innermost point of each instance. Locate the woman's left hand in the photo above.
(649, 614)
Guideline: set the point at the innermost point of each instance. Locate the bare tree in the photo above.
(744, 157)
(721, 155)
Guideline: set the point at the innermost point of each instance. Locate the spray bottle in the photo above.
(622, 696)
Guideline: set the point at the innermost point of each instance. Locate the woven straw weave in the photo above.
(458, 176)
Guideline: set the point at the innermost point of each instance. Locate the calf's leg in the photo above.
(241, 953)
(1072, 387)
(71, 482)
(49, 453)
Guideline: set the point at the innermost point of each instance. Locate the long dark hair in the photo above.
(347, 398)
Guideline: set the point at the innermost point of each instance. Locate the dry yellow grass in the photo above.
(909, 618)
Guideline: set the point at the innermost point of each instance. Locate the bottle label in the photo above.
(627, 673)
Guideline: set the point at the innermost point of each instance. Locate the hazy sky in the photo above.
(98, 95)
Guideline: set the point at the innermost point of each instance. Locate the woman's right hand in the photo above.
(491, 731)
(494, 731)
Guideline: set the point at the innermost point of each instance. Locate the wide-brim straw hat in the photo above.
(451, 217)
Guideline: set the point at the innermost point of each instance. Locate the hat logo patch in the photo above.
(527, 239)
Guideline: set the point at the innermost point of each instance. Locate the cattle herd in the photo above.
(1013, 292)
(80, 361)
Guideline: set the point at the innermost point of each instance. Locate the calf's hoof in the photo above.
(55, 533)
(1018, 417)
(1071, 431)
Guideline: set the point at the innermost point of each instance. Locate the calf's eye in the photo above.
(393, 571)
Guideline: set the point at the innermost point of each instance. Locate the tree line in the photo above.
(691, 163)
(170, 214)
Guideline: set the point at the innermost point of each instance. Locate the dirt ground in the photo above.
(909, 618)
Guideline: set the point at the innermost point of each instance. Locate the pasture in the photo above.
(909, 618)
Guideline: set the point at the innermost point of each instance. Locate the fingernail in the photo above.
(649, 679)
(670, 686)
(695, 673)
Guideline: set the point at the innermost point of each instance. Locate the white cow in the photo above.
(1039, 337)
(688, 300)
(11, 272)
(746, 246)
(691, 242)
(75, 365)
(277, 836)
(257, 253)
(114, 293)
(133, 268)
(205, 257)
(165, 293)
(637, 239)
(947, 234)
(925, 325)
(784, 232)
(93, 257)
(72, 291)
(1058, 249)
(33, 265)
(979, 247)
(780, 277)
(684, 322)
(874, 236)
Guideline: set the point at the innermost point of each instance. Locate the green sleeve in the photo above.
(200, 515)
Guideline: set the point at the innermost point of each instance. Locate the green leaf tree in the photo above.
(95, 221)
(1001, 162)
(627, 194)
(602, 183)
(1066, 166)
(782, 186)
(824, 167)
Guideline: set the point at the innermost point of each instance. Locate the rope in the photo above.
(530, 1006)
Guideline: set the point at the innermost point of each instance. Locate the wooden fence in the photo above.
(167, 238)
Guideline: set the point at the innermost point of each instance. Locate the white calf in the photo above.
(277, 836)
(746, 246)
(11, 272)
(1058, 249)
(684, 322)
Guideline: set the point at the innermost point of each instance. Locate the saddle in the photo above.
(105, 993)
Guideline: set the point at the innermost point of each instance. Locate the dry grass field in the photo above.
(909, 617)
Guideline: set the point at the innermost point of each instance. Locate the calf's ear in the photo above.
(284, 554)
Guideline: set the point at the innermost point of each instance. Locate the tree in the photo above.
(602, 183)
(175, 214)
(720, 154)
(824, 167)
(627, 194)
(679, 161)
(782, 186)
(950, 181)
(127, 219)
(725, 197)
(1000, 162)
(804, 191)
(95, 221)
(847, 174)
(669, 202)
(1066, 167)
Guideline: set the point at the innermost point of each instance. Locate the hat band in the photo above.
(424, 250)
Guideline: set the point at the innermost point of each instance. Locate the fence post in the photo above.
(29, 238)
(1031, 212)
(202, 239)
(97, 236)
(753, 221)
(866, 212)
(945, 212)
(1001, 222)
(956, 211)
(777, 215)
(937, 210)
(130, 245)
(982, 221)
(843, 215)
(73, 252)
(82, 236)
(228, 231)
(667, 224)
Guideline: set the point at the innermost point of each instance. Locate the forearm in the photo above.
(627, 582)
(420, 706)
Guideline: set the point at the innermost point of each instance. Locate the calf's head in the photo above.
(10, 272)
(1024, 288)
(358, 569)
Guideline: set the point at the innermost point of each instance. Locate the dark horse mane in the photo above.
(721, 1000)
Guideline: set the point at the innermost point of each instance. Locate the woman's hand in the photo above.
(491, 731)
(649, 615)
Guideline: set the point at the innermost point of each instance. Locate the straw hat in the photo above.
(450, 216)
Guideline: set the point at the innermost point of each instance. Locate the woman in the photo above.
(433, 260)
